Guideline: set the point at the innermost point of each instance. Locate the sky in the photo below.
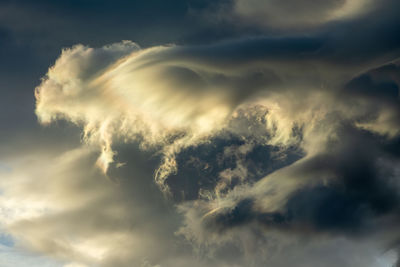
(241, 133)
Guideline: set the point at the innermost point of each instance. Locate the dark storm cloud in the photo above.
(97, 22)
(205, 166)
(380, 84)
(353, 182)
(361, 189)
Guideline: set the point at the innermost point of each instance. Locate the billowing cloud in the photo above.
(77, 215)
(171, 97)
(246, 144)
(239, 133)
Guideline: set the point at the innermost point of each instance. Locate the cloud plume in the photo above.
(245, 144)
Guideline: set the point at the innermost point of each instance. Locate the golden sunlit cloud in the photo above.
(172, 99)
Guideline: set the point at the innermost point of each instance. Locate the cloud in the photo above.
(71, 212)
(299, 14)
(167, 96)
(268, 136)
(246, 143)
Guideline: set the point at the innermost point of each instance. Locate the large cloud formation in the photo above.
(262, 135)
(279, 149)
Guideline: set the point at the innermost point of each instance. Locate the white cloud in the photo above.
(171, 99)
